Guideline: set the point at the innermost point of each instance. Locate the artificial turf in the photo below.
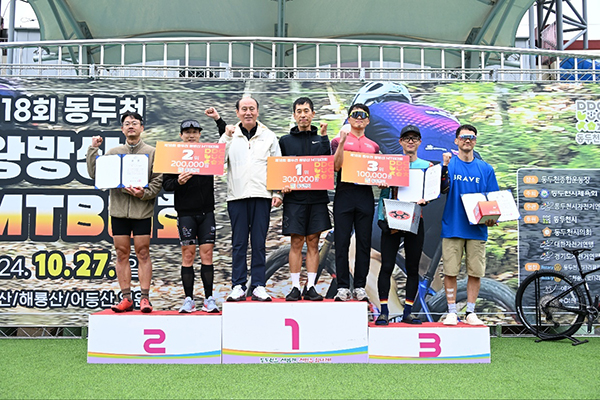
(520, 368)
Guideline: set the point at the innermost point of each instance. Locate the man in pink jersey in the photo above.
(353, 208)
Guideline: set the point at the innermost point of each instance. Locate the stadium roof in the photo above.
(484, 22)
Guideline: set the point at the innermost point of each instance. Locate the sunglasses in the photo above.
(472, 138)
(413, 139)
(190, 123)
(359, 114)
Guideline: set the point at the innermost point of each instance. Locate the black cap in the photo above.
(410, 128)
(190, 123)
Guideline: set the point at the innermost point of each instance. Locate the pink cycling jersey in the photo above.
(359, 144)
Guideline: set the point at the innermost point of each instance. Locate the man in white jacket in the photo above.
(248, 145)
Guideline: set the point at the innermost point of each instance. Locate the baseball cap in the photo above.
(190, 123)
(410, 128)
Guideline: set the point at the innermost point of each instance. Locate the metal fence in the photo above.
(244, 58)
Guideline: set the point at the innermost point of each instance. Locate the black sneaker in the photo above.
(382, 319)
(411, 320)
(294, 295)
(312, 295)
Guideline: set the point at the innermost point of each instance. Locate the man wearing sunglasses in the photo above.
(131, 210)
(410, 140)
(460, 175)
(248, 145)
(353, 208)
(305, 213)
(195, 205)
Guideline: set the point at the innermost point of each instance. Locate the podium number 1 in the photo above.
(295, 332)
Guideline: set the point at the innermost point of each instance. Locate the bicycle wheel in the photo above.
(549, 305)
(496, 301)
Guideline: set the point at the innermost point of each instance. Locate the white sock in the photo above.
(312, 276)
(470, 307)
(451, 308)
(296, 279)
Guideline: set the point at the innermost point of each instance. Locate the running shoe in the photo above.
(343, 294)
(237, 294)
(294, 295)
(360, 294)
(124, 305)
(312, 295)
(210, 306)
(260, 294)
(145, 306)
(189, 306)
(472, 319)
(451, 319)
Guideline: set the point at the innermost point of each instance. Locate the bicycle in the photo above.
(552, 307)
(430, 304)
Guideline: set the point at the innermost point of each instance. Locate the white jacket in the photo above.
(247, 162)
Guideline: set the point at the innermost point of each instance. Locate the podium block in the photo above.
(281, 332)
(429, 343)
(163, 337)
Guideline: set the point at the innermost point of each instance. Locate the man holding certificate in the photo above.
(460, 175)
(195, 205)
(410, 140)
(248, 145)
(353, 208)
(305, 213)
(131, 209)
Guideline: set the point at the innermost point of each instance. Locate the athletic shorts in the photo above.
(305, 219)
(452, 251)
(124, 226)
(197, 229)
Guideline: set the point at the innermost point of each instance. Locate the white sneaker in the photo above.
(472, 319)
(260, 294)
(189, 306)
(451, 319)
(360, 294)
(210, 306)
(343, 294)
(237, 294)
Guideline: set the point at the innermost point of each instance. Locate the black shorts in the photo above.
(124, 226)
(197, 229)
(305, 219)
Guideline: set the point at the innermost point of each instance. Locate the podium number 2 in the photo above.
(152, 341)
(295, 332)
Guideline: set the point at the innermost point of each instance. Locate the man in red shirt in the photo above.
(353, 208)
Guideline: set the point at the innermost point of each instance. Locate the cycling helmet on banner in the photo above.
(378, 92)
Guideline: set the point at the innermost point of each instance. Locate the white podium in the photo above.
(429, 343)
(281, 332)
(162, 337)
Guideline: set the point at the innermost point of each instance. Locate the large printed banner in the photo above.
(57, 261)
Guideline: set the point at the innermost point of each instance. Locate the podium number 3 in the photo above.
(295, 332)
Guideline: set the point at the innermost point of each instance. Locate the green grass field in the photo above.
(520, 369)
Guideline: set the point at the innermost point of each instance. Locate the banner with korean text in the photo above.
(57, 260)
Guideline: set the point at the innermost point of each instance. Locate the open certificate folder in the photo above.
(422, 185)
(504, 198)
(121, 170)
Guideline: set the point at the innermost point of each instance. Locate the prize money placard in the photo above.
(375, 169)
(300, 173)
(196, 158)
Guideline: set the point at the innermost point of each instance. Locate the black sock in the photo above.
(207, 273)
(187, 278)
